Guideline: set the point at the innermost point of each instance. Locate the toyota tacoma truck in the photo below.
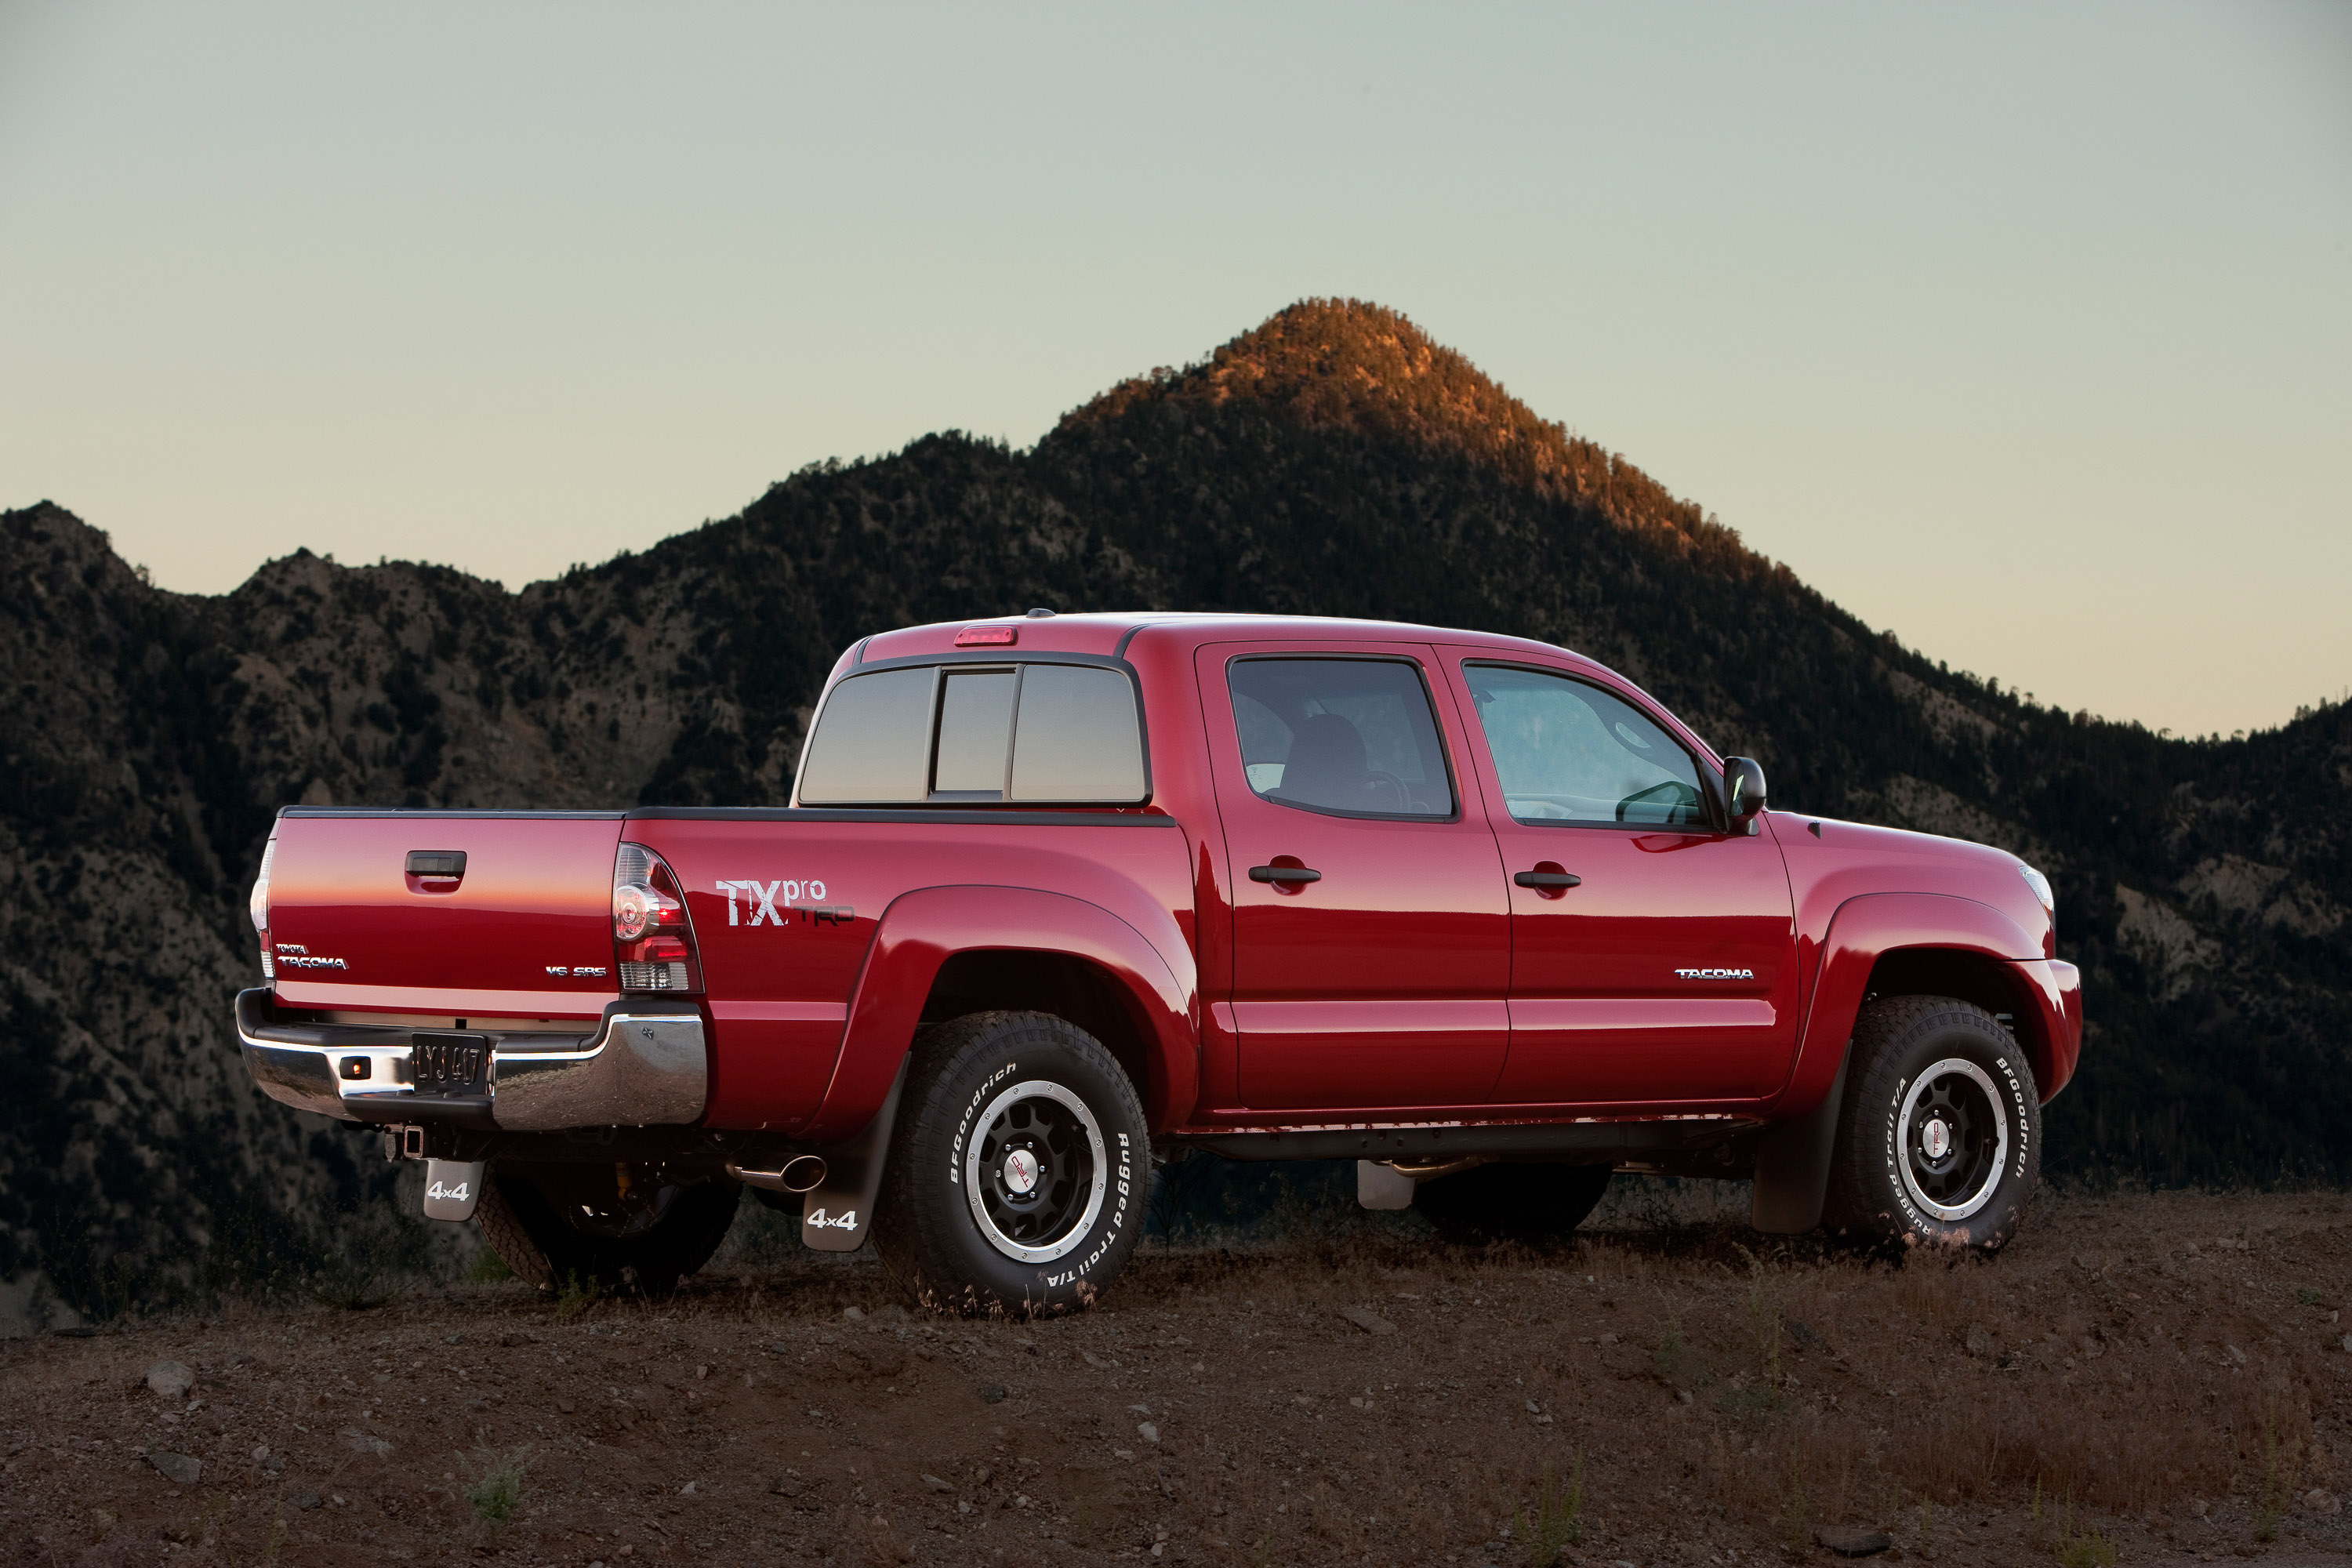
(1059, 897)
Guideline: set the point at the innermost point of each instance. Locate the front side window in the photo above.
(1349, 735)
(1568, 751)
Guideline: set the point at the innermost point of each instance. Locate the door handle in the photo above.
(435, 871)
(1547, 879)
(1284, 873)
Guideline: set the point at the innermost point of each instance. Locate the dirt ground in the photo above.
(2148, 1379)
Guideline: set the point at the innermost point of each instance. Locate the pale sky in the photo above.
(2023, 330)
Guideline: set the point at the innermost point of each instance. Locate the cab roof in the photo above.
(1103, 633)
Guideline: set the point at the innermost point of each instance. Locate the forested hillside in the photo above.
(1333, 461)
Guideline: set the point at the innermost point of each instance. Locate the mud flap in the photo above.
(452, 1188)
(836, 1217)
(1792, 1165)
(1380, 1185)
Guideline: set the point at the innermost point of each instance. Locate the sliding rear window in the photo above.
(1030, 734)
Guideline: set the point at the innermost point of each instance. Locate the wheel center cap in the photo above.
(1936, 1141)
(1020, 1172)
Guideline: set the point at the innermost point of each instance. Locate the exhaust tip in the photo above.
(801, 1174)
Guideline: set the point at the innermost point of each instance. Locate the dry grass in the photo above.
(2154, 1377)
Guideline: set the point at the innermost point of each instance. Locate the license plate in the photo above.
(448, 1064)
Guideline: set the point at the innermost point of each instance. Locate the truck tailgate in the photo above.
(525, 932)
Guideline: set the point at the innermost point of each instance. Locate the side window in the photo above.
(1349, 735)
(1037, 734)
(870, 741)
(1569, 751)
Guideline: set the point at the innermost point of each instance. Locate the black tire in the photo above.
(1940, 1143)
(994, 1100)
(1511, 1203)
(586, 1226)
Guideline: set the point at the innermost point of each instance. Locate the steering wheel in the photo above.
(1375, 781)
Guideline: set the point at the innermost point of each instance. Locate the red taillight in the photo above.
(653, 938)
(988, 636)
(257, 907)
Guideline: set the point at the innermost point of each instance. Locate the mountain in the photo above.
(1333, 461)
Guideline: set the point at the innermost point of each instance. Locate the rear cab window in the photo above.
(1031, 733)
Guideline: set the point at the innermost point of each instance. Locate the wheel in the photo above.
(620, 1226)
(1511, 1203)
(1018, 1169)
(1940, 1139)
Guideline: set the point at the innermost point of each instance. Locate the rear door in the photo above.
(1652, 954)
(1371, 932)
(491, 916)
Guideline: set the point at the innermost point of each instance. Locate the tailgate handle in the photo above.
(437, 865)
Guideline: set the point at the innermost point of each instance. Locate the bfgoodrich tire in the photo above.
(1019, 1167)
(610, 1227)
(1512, 1203)
(1940, 1143)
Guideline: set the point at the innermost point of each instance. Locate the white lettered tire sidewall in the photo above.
(935, 1226)
(1901, 1046)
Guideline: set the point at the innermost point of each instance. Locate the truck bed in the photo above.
(784, 906)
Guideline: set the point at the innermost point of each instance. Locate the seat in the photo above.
(1328, 764)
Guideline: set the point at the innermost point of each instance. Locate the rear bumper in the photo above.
(646, 1065)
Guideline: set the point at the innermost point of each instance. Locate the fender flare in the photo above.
(923, 929)
(1792, 1161)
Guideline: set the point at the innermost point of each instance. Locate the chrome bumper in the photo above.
(646, 1065)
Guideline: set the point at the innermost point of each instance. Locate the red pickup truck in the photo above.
(1059, 897)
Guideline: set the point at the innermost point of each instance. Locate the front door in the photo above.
(1371, 941)
(1654, 959)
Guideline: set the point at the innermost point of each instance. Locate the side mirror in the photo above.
(1743, 793)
